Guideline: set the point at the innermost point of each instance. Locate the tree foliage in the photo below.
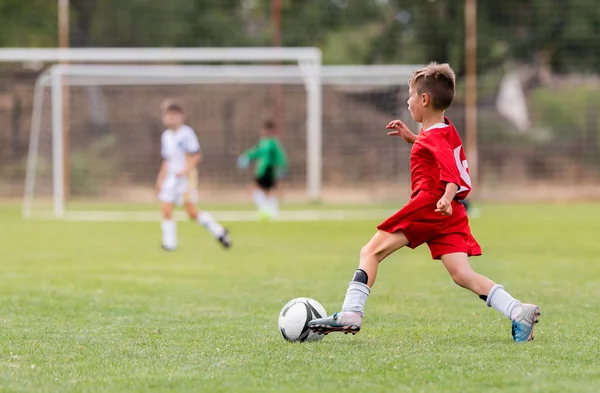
(28, 23)
(560, 33)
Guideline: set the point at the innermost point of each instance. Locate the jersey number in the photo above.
(462, 169)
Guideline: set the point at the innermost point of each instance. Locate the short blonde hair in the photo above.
(170, 104)
(438, 81)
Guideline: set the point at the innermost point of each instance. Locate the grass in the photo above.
(98, 307)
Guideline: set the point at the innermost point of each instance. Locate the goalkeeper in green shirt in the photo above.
(270, 166)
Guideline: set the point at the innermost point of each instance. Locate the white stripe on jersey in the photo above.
(437, 125)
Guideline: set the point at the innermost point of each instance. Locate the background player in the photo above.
(271, 165)
(433, 215)
(180, 151)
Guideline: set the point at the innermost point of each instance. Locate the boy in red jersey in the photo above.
(434, 215)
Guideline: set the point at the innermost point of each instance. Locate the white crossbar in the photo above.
(158, 55)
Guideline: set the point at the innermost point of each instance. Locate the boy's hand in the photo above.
(401, 130)
(444, 206)
(183, 172)
(243, 162)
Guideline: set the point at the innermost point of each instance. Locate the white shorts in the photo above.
(179, 190)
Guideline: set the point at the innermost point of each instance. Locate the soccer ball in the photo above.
(295, 316)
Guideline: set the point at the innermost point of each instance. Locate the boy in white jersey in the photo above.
(180, 151)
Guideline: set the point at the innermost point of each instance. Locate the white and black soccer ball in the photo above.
(295, 316)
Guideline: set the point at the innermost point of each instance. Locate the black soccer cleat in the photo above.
(225, 240)
(347, 322)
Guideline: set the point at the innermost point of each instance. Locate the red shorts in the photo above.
(443, 234)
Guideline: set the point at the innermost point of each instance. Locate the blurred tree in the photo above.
(147, 23)
(28, 23)
(81, 16)
(560, 33)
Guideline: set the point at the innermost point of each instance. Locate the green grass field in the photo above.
(98, 307)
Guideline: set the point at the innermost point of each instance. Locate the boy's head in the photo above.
(432, 89)
(269, 128)
(172, 114)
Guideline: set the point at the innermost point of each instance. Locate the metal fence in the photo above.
(538, 92)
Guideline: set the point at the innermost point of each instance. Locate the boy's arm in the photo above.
(162, 172)
(401, 130)
(446, 162)
(281, 157)
(253, 153)
(192, 148)
(249, 155)
(190, 163)
(444, 156)
(444, 205)
(280, 160)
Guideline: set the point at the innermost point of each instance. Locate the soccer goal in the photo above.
(103, 163)
(121, 104)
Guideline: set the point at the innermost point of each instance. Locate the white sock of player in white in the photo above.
(356, 297)
(502, 301)
(169, 234)
(273, 205)
(260, 199)
(208, 222)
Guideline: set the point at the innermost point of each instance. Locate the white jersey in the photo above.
(175, 146)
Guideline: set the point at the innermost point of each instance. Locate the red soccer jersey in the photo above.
(437, 158)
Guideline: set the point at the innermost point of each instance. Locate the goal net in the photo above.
(103, 156)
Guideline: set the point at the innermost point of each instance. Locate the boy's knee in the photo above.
(167, 212)
(364, 252)
(369, 251)
(191, 211)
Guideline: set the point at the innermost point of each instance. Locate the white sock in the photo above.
(273, 206)
(208, 222)
(501, 300)
(356, 297)
(260, 199)
(169, 234)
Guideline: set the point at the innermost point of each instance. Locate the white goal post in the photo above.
(308, 72)
(308, 63)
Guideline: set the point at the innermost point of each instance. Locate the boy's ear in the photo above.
(425, 99)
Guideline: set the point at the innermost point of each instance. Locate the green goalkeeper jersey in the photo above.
(268, 153)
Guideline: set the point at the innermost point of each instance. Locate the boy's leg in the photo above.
(205, 219)
(168, 227)
(381, 245)
(264, 198)
(463, 275)
(524, 316)
(271, 192)
(273, 203)
(260, 199)
(349, 319)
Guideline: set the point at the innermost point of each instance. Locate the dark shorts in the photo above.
(268, 180)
